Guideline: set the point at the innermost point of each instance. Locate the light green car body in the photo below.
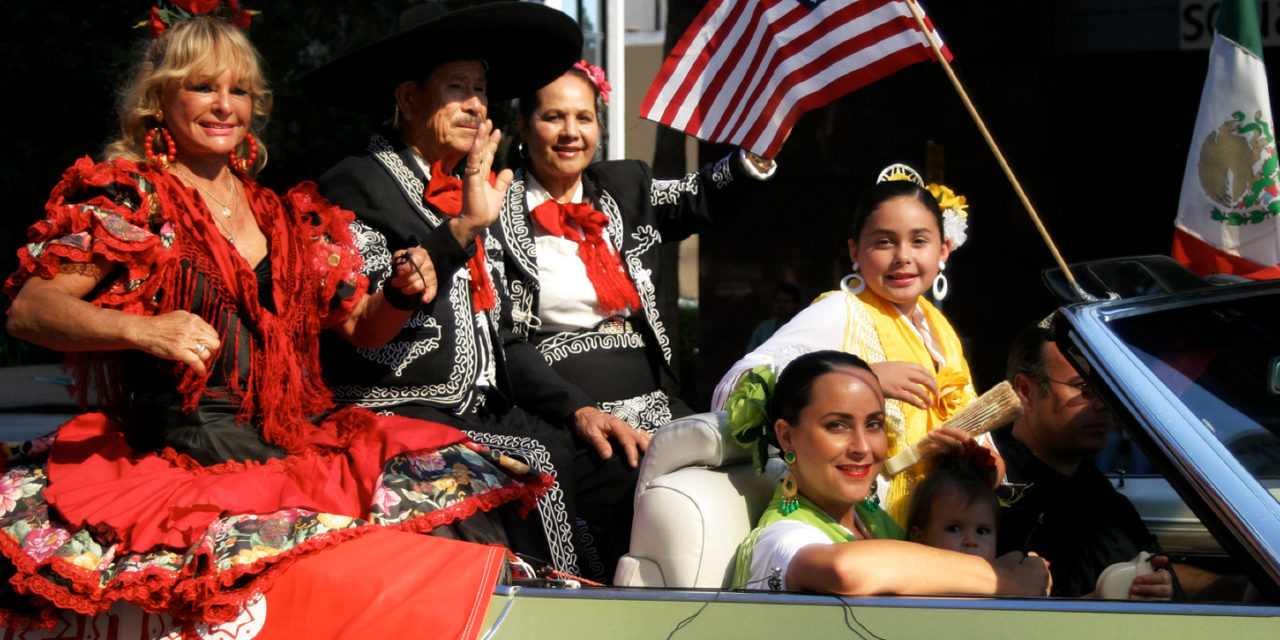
(517, 613)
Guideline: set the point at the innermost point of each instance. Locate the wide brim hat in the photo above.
(524, 45)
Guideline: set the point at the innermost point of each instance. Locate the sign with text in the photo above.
(1197, 17)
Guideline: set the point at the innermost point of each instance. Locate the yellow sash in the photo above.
(895, 340)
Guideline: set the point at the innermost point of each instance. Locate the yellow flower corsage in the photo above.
(953, 393)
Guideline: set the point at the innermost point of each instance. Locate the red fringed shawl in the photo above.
(145, 220)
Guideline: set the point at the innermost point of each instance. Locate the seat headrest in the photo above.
(702, 439)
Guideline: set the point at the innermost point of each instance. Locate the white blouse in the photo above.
(566, 299)
(776, 546)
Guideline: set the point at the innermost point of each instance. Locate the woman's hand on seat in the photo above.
(596, 427)
(907, 381)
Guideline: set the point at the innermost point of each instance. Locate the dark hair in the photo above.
(795, 383)
(872, 199)
(1026, 356)
(952, 475)
(525, 106)
(529, 101)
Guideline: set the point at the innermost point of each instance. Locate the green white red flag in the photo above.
(1229, 213)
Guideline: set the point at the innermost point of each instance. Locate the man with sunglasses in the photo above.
(1061, 505)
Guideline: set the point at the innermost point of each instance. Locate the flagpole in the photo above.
(1004, 164)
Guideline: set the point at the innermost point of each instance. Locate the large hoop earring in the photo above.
(522, 151)
(243, 165)
(940, 284)
(855, 289)
(789, 501)
(171, 151)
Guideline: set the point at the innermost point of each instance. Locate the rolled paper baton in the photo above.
(998, 406)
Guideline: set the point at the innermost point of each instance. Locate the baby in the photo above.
(954, 509)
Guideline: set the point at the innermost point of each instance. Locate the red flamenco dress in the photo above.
(189, 494)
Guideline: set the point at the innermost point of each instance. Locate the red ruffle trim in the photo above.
(215, 597)
(71, 211)
(211, 598)
(166, 500)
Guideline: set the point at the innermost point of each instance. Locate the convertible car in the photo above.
(1192, 368)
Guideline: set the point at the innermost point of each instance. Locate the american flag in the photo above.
(746, 69)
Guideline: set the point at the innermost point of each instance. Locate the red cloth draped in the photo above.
(167, 499)
(613, 287)
(406, 583)
(444, 192)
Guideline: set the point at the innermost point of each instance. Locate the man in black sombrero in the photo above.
(452, 363)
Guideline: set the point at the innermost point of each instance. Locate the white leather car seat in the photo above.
(697, 497)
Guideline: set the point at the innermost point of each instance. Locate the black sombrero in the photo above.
(525, 46)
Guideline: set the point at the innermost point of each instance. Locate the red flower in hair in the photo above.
(241, 18)
(197, 7)
(156, 25)
(167, 13)
(982, 461)
(596, 76)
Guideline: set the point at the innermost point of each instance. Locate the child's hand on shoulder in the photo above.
(908, 382)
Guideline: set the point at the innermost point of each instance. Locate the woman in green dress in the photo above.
(823, 531)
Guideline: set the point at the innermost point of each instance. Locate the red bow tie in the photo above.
(614, 290)
(554, 217)
(444, 193)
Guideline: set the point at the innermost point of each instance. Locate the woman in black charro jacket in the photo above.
(582, 248)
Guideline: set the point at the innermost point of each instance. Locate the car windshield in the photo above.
(1223, 363)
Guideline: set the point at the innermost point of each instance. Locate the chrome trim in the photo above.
(502, 616)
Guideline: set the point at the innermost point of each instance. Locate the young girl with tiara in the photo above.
(903, 233)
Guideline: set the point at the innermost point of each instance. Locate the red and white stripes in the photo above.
(746, 69)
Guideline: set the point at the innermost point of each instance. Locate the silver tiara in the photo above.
(900, 171)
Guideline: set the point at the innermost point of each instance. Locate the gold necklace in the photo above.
(226, 211)
(226, 231)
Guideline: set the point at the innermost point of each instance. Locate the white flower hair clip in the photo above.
(955, 214)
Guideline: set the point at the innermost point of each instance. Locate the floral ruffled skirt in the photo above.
(223, 532)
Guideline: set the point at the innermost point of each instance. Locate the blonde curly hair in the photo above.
(195, 47)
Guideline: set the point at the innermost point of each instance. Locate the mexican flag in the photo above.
(1229, 214)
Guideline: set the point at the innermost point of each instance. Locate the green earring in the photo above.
(872, 501)
(789, 489)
